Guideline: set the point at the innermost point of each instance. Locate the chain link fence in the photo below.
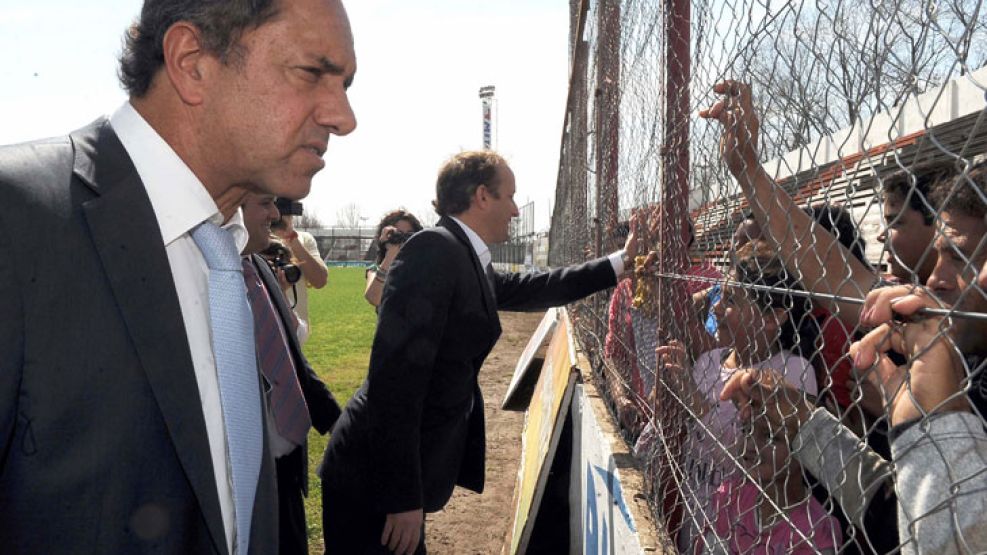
(794, 167)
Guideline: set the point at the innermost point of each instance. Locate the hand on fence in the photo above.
(933, 378)
(672, 364)
(738, 145)
(764, 397)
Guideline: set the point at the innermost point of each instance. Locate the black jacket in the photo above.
(322, 406)
(415, 429)
(103, 444)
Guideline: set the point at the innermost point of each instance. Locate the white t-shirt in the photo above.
(709, 449)
(301, 289)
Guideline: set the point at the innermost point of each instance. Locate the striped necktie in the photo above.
(287, 401)
(236, 370)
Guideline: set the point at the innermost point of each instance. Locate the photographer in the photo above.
(305, 255)
(393, 230)
(297, 399)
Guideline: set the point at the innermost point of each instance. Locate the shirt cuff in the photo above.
(617, 261)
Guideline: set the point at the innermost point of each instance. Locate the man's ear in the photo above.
(481, 196)
(185, 61)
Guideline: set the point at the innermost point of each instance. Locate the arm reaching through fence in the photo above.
(822, 264)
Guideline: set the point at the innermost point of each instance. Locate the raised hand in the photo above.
(672, 364)
(738, 145)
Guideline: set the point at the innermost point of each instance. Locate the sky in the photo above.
(420, 66)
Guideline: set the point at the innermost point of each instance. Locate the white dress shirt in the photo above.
(180, 203)
(483, 251)
(481, 248)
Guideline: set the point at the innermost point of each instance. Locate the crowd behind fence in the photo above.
(796, 167)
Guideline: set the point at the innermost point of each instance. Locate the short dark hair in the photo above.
(965, 193)
(461, 175)
(221, 22)
(913, 185)
(838, 221)
(392, 218)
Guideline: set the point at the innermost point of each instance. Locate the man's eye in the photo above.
(312, 73)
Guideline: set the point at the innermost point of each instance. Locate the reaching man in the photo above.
(415, 429)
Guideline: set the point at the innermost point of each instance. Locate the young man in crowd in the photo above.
(909, 220)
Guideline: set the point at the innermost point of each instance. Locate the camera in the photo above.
(398, 238)
(286, 207)
(278, 257)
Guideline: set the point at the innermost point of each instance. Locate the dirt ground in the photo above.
(478, 524)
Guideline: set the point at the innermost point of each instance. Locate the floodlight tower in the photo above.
(489, 107)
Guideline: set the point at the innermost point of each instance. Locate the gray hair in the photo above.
(221, 22)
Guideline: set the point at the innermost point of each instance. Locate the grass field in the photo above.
(339, 350)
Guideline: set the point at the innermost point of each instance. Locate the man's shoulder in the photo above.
(50, 162)
(432, 237)
(437, 248)
(21, 162)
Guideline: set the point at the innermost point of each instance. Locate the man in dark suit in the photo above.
(415, 429)
(131, 414)
(299, 394)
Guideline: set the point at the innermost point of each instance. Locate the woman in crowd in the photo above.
(393, 230)
(759, 326)
(768, 509)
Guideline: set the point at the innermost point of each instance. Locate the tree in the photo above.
(427, 215)
(348, 215)
(309, 220)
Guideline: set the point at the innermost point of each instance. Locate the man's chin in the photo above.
(296, 189)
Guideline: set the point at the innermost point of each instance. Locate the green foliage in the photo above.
(343, 324)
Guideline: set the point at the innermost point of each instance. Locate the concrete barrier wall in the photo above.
(609, 512)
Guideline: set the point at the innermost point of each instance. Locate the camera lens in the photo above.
(398, 237)
(292, 273)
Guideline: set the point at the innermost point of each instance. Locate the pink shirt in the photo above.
(736, 524)
(708, 451)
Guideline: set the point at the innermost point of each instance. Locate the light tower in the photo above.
(489, 102)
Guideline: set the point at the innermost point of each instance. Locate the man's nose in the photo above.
(335, 113)
(941, 279)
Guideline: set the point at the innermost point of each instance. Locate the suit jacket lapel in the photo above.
(481, 273)
(126, 235)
